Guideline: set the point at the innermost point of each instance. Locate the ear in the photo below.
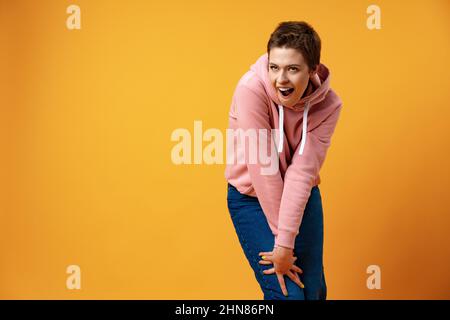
(313, 72)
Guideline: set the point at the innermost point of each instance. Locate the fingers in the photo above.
(266, 259)
(301, 283)
(282, 284)
(269, 271)
(292, 275)
(265, 253)
(295, 278)
(297, 269)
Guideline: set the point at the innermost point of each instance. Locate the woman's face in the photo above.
(289, 71)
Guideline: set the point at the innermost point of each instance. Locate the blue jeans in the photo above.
(255, 236)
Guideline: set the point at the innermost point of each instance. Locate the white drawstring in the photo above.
(281, 126)
(305, 127)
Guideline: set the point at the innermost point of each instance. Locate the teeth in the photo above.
(286, 91)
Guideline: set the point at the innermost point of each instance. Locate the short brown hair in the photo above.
(297, 35)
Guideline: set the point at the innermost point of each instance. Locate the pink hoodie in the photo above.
(255, 105)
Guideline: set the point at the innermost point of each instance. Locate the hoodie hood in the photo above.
(316, 91)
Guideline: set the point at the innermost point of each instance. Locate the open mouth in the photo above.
(286, 92)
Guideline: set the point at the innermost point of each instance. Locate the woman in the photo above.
(278, 215)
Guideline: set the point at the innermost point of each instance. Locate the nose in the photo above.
(282, 79)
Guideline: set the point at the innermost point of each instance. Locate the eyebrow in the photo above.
(290, 65)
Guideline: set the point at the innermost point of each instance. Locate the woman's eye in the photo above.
(291, 68)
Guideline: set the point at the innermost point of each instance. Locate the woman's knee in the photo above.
(272, 289)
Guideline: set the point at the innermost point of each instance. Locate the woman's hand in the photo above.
(283, 260)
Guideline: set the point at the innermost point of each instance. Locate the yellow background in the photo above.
(86, 173)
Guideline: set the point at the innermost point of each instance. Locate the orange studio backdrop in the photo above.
(92, 91)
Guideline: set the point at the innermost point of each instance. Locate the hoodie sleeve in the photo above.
(299, 178)
(252, 112)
